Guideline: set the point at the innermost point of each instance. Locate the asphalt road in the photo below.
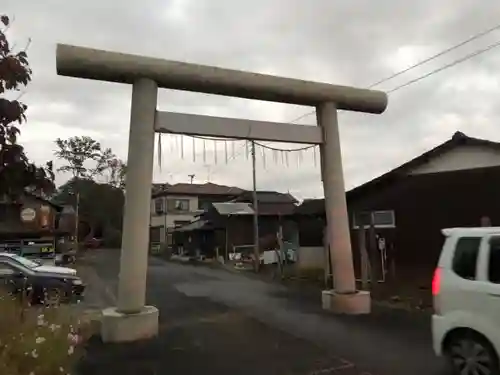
(220, 322)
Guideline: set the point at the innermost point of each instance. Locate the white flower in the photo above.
(41, 321)
(34, 354)
(61, 369)
(54, 327)
(71, 350)
(73, 338)
(40, 340)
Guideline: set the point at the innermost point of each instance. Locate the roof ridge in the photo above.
(458, 139)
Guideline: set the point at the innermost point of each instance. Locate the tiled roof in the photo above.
(199, 189)
(267, 197)
(195, 225)
(316, 206)
(233, 208)
(156, 188)
(276, 209)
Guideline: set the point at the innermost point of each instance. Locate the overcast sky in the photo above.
(346, 42)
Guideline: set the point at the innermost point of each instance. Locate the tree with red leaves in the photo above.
(17, 173)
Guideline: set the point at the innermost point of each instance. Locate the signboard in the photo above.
(30, 248)
(28, 214)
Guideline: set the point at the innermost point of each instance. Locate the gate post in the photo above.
(131, 319)
(344, 298)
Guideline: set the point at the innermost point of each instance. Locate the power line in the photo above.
(433, 57)
(439, 54)
(444, 67)
(416, 65)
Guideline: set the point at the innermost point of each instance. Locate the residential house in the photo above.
(28, 216)
(179, 204)
(157, 187)
(229, 226)
(453, 185)
(215, 231)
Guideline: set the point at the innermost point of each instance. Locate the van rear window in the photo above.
(465, 257)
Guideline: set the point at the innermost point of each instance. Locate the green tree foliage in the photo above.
(117, 172)
(78, 153)
(101, 205)
(85, 158)
(17, 173)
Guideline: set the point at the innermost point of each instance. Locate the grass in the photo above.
(39, 340)
(404, 293)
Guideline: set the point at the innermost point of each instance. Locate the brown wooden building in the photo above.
(455, 184)
(29, 217)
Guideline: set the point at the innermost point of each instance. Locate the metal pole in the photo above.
(165, 236)
(256, 211)
(360, 220)
(77, 214)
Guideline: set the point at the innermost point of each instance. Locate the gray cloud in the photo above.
(354, 43)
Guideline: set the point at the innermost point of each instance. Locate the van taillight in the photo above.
(436, 282)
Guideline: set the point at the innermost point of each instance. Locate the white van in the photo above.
(466, 290)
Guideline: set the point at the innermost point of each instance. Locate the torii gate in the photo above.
(131, 319)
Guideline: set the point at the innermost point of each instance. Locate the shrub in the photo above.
(39, 340)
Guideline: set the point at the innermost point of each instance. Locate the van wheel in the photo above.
(470, 354)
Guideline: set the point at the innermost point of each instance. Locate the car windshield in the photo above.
(25, 262)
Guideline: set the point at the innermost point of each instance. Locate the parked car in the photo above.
(466, 290)
(65, 258)
(42, 283)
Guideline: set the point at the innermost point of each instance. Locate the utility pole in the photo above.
(77, 214)
(208, 172)
(191, 177)
(365, 271)
(256, 211)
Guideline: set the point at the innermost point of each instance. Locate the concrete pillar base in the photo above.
(120, 327)
(352, 304)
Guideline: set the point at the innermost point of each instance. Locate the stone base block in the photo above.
(120, 327)
(352, 304)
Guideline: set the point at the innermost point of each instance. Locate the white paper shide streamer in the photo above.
(233, 149)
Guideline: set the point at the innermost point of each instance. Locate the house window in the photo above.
(159, 205)
(178, 204)
(380, 219)
(155, 234)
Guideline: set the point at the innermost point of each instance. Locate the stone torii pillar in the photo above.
(131, 319)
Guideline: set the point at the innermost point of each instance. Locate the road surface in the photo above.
(218, 322)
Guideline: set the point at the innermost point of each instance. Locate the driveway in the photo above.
(246, 325)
